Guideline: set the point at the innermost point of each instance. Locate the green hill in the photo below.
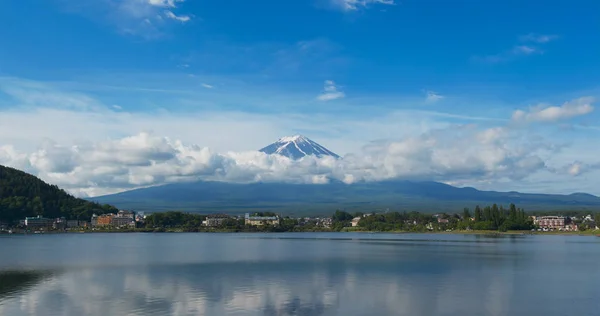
(22, 194)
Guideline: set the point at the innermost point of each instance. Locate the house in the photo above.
(571, 227)
(325, 222)
(261, 220)
(355, 221)
(442, 220)
(38, 222)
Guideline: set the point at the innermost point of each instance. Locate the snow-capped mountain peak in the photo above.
(296, 147)
(287, 139)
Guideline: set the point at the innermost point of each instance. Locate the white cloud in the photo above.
(578, 168)
(330, 92)
(575, 169)
(353, 5)
(433, 97)
(543, 113)
(146, 159)
(149, 19)
(207, 86)
(90, 148)
(525, 50)
(164, 3)
(180, 18)
(520, 50)
(538, 38)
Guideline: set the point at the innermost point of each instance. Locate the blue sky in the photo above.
(236, 75)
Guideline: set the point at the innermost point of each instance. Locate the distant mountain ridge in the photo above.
(296, 147)
(399, 195)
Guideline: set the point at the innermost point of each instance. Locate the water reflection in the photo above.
(384, 276)
(283, 288)
(12, 282)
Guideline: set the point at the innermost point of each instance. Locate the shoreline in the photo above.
(455, 232)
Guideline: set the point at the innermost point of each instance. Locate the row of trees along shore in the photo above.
(490, 218)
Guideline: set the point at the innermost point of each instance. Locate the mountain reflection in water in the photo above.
(368, 275)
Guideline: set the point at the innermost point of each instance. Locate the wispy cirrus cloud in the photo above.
(433, 97)
(180, 18)
(544, 113)
(93, 148)
(353, 5)
(530, 44)
(330, 92)
(538, 38)
(144, 18)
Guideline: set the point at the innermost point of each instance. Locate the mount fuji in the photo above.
(404, 195)
(296, 147)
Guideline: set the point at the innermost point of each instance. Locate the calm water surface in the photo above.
(298, 274)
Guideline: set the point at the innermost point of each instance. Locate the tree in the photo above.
(478, 214)
(466, 214)
(23, 195)
(341, 216)
(512, 213)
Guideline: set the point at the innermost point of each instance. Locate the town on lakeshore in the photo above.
(489, 218)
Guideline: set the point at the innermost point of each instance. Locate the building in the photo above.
(571, 227)
(38, 222)
(73, 223)
(261, 220)
(550, 222)
(214, 220)
(442, 220)
(123, 219)
(139, 217)
(118, 221)
(104, 220)
(325, 222)
(60, 223)
(355, 221)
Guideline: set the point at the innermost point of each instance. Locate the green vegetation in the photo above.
(490, 218)
(22, 195)
(186, 222)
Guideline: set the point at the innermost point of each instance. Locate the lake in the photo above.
(298, 274)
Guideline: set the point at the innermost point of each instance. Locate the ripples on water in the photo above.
(298, 274)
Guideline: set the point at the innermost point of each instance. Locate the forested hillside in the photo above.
(22, 194)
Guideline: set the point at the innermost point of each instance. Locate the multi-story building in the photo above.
(551, 222)
(123, 219)
(104, 220)
(38, 222)
(261, 220)
(214, 220)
